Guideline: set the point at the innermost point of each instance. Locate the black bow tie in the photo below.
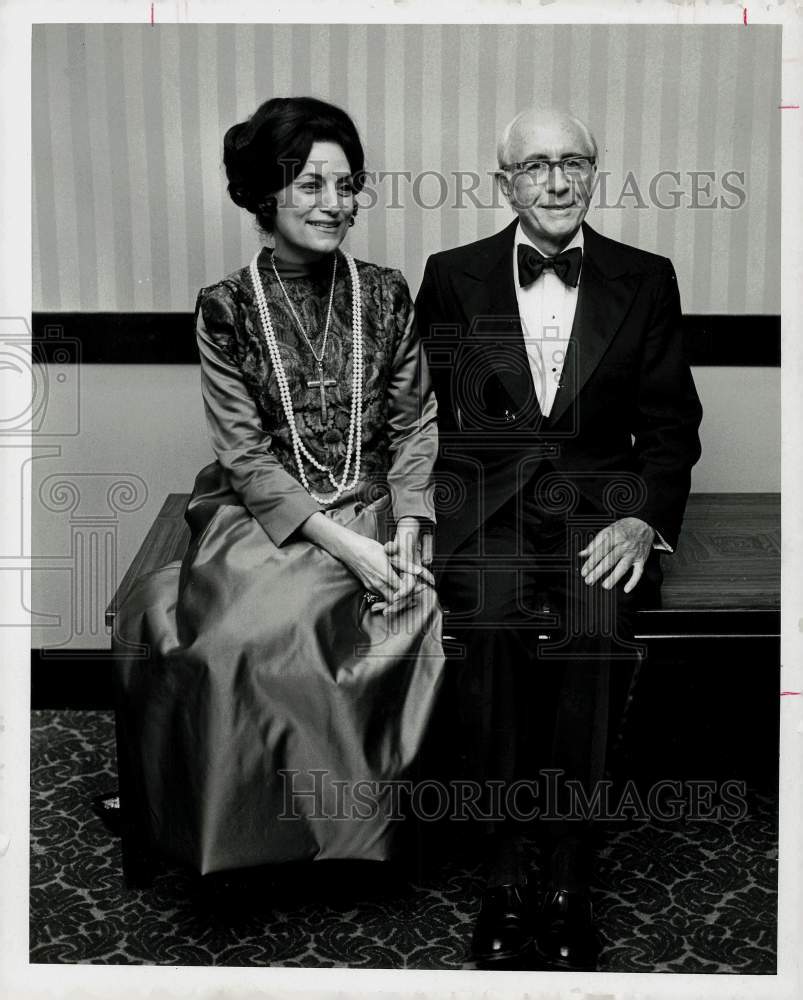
(566, 265)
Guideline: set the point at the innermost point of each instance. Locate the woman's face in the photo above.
(312, 213)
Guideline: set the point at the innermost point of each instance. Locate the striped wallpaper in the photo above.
(130, 211)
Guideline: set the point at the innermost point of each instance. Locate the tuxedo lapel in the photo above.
(488, 296)
(486, 291)
(604, 298)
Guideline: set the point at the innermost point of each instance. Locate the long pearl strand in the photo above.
(354, 445)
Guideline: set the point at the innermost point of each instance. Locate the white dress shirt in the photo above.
(547, 309)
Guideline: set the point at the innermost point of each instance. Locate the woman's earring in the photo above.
(353, 218)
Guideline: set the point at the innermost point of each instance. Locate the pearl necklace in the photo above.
(354, 446)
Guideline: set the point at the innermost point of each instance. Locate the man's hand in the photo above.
(622, 546)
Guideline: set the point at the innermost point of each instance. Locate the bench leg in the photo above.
(138, 860)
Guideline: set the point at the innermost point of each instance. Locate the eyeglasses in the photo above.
(539, 170)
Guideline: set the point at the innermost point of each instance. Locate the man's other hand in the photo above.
(621, 547)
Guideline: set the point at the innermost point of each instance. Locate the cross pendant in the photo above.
(322, 384)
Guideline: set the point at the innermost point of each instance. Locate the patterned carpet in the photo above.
(670, 897)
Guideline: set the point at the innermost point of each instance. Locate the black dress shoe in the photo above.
(504, 931)
(566, 936)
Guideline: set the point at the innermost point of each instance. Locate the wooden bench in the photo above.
(723, 583)
(724, 580)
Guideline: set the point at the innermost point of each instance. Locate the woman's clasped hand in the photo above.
(395, 572)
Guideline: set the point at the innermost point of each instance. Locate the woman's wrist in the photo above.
(422, 520)
(326, 534)
(409, 522)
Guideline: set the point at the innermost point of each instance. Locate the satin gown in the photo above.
(266, 712)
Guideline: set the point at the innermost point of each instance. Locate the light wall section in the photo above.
(130, 209)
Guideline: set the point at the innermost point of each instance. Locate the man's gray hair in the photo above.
(503, 146)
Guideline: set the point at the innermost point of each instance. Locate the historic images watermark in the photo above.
(666, 189)
(315, 794)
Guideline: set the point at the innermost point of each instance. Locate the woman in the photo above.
(295, 652)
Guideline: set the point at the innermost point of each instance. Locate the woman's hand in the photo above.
(413, 541)
(369, 562)
(367, 559)
(410, 552)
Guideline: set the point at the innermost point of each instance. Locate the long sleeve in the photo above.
(275, 498)
(412, 421)
(666, 442)
(429, 311)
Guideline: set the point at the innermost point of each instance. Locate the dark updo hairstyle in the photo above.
(267, 152)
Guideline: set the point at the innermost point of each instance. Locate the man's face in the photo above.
(552, 202)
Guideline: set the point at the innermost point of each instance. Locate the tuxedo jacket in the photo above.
(623, 429)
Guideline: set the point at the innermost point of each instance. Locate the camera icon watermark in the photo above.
(39, 381)
(497, 378)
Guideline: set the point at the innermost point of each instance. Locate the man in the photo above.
(569, 425)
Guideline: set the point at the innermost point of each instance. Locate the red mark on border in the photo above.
(151, 13)
(744, 15)
(784, 693)
(789, 107)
